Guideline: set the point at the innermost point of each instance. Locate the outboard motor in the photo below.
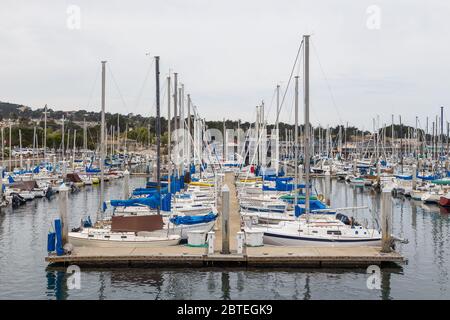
(17, 200)
(49, 192)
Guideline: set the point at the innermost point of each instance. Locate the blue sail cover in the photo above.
(36, 170)
(404, 177)
(429, 178)
(271, 178)
(280, 186)
(148, 191)
(152, 202)
(92, 170)
(193, 219)
(10, 179)
(313, 207)
(154, 184)
(166, 202)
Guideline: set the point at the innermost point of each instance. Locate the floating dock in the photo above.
(264, 256)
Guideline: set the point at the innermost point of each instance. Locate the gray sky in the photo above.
(230, 55)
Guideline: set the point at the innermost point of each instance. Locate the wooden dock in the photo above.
(265, 256)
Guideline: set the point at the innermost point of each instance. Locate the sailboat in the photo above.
(316, 229)
(127, 230)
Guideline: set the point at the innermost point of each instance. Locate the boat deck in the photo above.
(265, 256)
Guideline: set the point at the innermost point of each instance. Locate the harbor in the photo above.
(23, 239)
(225, 151)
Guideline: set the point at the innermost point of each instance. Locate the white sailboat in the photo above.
(128, 230)
(316, 230)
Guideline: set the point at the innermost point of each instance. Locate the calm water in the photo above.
(23, 273)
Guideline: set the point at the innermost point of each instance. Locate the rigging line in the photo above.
(328, 84)
(93, 86)
(290, 76)
(139, 96)
(300, 64)
(266, 115)
(117, 87)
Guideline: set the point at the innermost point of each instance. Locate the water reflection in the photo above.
(57, 285)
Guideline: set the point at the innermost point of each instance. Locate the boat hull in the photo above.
(444, 202)
(99, 243)
(284, 240)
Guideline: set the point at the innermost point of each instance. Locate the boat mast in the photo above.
(306, 136)
(158, 130)
(442, 131)
(45, 133)
(296, 143)
(62, 139)
(102, 142)
(169, 162)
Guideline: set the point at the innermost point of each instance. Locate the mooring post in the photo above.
(225, 220)
(1, 184)
(414, 176)
(378, 171)
(211, 238)
(354, 166)
(154, 172)
(240, 242)
(327, 187)
(63, 195)
(64, 172)
(386, 219)
(126, 184)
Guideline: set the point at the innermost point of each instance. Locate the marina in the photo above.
(250, 256)
(224, 153)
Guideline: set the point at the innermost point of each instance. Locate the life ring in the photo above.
(320, 197)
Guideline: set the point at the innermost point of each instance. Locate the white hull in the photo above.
(300, 241)
(151, 242)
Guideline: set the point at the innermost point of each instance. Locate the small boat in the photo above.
(431, 197)
(124, 232)
(444, 200)
(332, 231)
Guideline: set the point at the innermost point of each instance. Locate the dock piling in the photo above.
(225, 220)
(327, 188)
(1, 184)
(414, 176)
(126, 184)
(386, 219)
(210, 239)
(240, 242)
(63, 195)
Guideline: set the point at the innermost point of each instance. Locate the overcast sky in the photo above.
(230, 55)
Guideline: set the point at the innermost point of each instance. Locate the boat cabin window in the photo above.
(335, 232)
(123, 237)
